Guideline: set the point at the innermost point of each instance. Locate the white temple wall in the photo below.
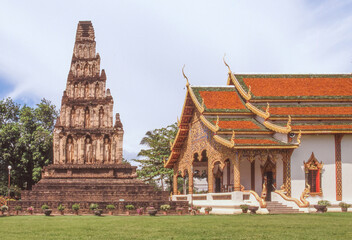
(323, 147)
(245, 170)
(346, 160)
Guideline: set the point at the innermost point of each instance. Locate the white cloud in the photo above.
(143, 45)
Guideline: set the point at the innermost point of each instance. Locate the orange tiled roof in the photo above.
(298, 85)
(311, 110)
(251, 141)
(237, 125)
(221, 100)
(321, 127)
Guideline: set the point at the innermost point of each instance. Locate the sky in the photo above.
(144, 44)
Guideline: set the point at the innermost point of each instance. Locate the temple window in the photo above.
(313, 170)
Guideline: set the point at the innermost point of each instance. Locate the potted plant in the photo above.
(129, 208)
(93, 206)
(3, 209)
(198, 209)
(17, 209)
(207, 210)
(253, 209)
(151, 211)
(30, 210)
(179, 210)
(75, 208)
(47, 211)
(344, 206)
(244, 208)
(61, 209)
(140, 211)
(110, 208)
(165, 208)
(322, 205)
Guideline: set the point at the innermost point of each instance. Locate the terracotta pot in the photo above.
(206, 212)
(16, 212)
(253, 209)
(110, 213)
(62, 212)
(344, 209)
(320, 208)
(30, 212)
(179, 212)
(127, 213)
(76, 212)
(152, 212)
(164, 212)
(244, 210)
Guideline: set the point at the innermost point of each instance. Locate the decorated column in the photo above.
(338, 170)
(236, 172)
(287, 171)
(175, 181)
(190, 181)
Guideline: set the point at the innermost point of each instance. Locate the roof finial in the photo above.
(187, 84)
(299, 137)
(288, 125)
(249, 90)
(217, 122)
(233, 138)
(267, 109)
(178, 122)
(226, 63)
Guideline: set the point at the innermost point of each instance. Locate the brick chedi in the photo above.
(88, 165)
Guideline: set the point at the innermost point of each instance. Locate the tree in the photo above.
(25, 141)
(152, 161)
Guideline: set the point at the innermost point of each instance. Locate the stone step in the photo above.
(275, 207)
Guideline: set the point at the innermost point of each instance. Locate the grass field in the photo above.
(300, 226)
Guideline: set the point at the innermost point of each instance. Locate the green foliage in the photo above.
(76, 207)
(244, 207)
(61, 207)
(208, 209)
(110, 207)
(344, 205)
(4, 208)
(165, 207)
(45, 207)
(25, 142)
(18, 208)
(129, 207)
(152, 159)
(324, 203)
(93, 206)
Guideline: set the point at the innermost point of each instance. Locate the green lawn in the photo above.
(300, 226)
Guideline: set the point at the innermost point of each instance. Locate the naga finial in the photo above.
(267, 108)
(178, 121)
(187, 84)
(299, 137)
(217, 122)
(288, 125)
(226, 63)
(233, 138)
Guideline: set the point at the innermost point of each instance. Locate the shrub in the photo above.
(75, 207)
(165, 207)
(344, 205)
(61, 207)
(110, 207)
(324, 203)
(18, 208)
(30, 209)
(129, 207)
(4, 208)
(244, 207)
(45, 207)
(140, 210)
(93, 206)
(208, 209)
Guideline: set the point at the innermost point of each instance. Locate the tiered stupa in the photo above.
(88, 164)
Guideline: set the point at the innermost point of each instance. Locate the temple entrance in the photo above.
(269, 185)
(269, 179)
(218, 176)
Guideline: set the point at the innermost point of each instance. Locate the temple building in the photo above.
(272, 141)
(87, 145)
